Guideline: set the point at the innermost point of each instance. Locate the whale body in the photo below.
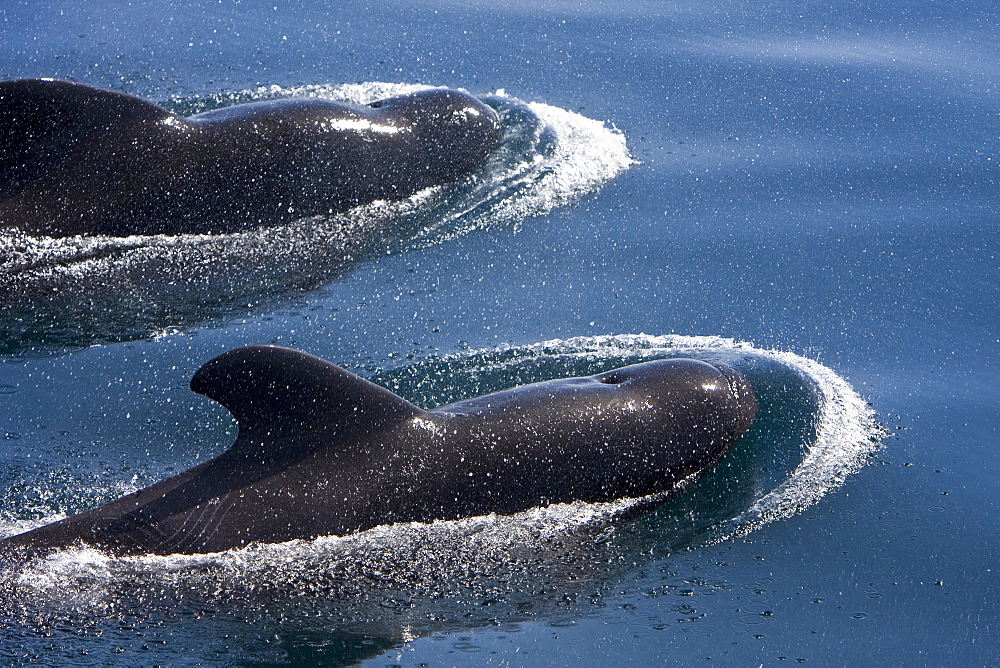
(321, 451)
(75, 159)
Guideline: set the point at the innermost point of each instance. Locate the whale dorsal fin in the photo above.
(41, 118)
(278, 392)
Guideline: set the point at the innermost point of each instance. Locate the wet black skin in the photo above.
(80, 160)
(321, 451)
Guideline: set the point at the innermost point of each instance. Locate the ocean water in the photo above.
(807, 192)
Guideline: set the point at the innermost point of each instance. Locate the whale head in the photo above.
(707, 396)
(678, 417)
(632, 431)
(455, 131)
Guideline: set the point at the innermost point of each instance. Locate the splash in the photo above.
(548, 157)
(846, 431)
(776, 471)
(88, 289)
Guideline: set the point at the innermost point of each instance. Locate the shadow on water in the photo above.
(338, 601)
(66, 293)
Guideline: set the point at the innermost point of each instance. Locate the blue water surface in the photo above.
(814, 178)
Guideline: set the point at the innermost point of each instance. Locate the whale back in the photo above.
(277, 393)
(79, 160)
(322, 451)
(41, 119)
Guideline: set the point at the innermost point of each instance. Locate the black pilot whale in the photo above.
(322, 451)
(80, 160)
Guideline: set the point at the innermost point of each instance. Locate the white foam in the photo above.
(526, 178)
(846, 429)
(585, 155)
(846, 432)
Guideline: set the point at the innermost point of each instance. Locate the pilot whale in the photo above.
(80, 160)
(321, 451)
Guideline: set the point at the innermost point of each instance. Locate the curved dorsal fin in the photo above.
(40, 118)
(276, 392)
